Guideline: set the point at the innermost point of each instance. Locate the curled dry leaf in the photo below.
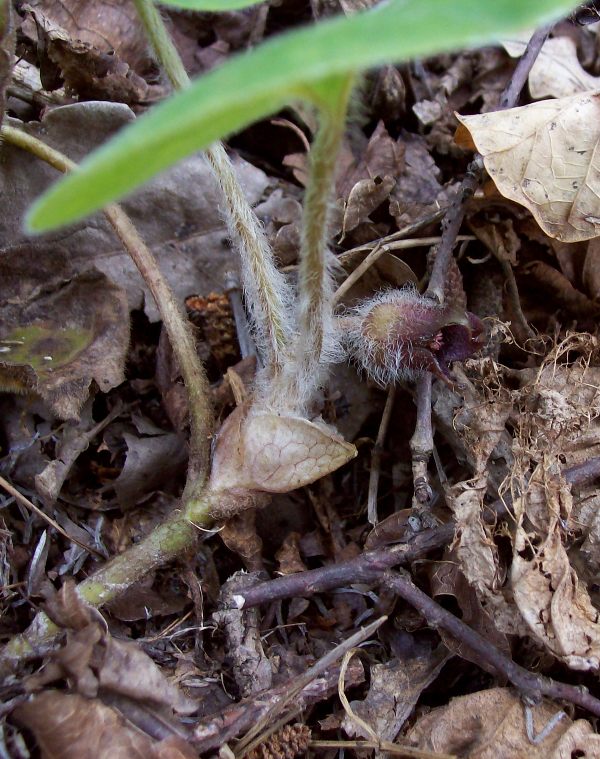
(73, 727)
(259, 451)
(111, 26)
(545, 157)
(493, 723)
(556, 72)
(546, 589)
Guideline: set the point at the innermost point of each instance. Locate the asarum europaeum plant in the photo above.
(398, 334)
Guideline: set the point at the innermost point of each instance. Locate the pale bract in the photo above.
(271, 453)
(545, 156)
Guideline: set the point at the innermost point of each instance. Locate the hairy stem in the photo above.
(267, 292)
(303, 372)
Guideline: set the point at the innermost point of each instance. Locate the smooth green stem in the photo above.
(267, 291)
(174, 319)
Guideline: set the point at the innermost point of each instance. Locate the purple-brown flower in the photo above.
(400, 334)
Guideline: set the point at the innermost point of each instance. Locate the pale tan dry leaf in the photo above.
(258, 451)
(73, 727)
(556, 72)
(545, 157)
(492, 723)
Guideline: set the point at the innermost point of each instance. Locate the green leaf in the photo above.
(254, 84)
(211, 5)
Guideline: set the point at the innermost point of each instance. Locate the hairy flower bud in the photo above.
(400, 333)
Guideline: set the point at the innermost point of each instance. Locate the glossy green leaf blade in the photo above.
(211, 5)
(254, 84)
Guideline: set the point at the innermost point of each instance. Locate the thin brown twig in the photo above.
(5, 485)
(376, 456)
(369, 566)
(527, 682)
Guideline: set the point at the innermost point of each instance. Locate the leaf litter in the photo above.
(94, 419)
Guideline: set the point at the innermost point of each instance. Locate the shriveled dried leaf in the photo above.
(546, 589)
(74, 727)
(151, 461)
(556, 72)
(395, 687)
(58, 332)
(364, 198)
(544, 156)
(108, 25)
(94, 661)
(275, 454)
(84, 70)
(288, 556)
(492, 723)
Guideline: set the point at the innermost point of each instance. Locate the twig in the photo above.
(365, 568)
(421, 443)
(376, 252)
(36, 509)
(470, 183)
(376, 456)
(369, 566)
(527, 682)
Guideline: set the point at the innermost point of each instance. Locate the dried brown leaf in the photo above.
(107, 25)
(556, 72)
(492, 723)
(395, 687)
(546, 589)
(71, 726)
(544, 156)
(59, 332)
(364, 198)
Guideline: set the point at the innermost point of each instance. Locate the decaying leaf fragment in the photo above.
(261, 451)
(555, 605)
(58, 332)
(545, 156)
(492, 723)
(73, 727)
